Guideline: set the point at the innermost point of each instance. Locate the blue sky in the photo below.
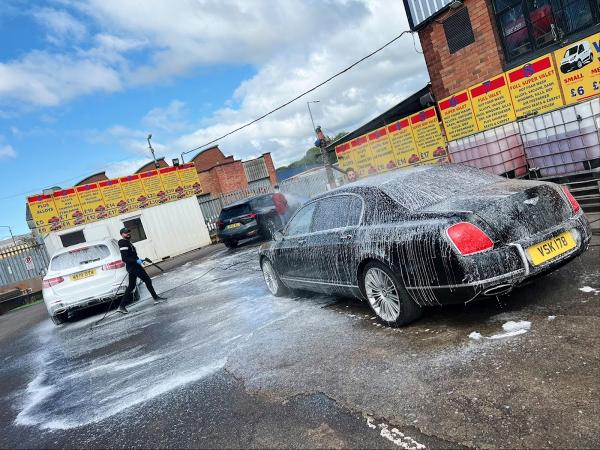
(82, 83)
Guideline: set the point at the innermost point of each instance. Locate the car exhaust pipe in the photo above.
(498, 290)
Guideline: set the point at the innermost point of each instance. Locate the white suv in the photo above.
(83, 275)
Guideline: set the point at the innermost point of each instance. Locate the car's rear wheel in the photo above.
(387, 297)
(231, 244)
(60, 318)
(274, 284)
(579, 64)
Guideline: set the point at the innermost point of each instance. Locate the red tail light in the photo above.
(249, 216)
(469, 239)
(113, 265)
(52, 281)
(574, 204)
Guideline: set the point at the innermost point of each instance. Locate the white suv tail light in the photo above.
(113, 265)
(52, 282)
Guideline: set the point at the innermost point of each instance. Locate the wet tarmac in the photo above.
(225, 364)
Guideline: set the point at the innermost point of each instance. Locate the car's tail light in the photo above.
(469, 239)
(113, 265)
(52, 282)
(574, 203)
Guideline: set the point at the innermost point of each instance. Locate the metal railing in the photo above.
(22, 262)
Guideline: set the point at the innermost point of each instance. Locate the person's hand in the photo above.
(140, 261)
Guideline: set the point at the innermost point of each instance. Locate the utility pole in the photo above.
(152, 151)
(321, 143)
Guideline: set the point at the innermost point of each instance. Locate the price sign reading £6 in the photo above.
(579, 67)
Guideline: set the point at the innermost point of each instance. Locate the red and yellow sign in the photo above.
(579, 69)
(344, 156)
(428, 137)
(458, 116)
(534, 87)
(171, 183)
(44, 213)
(402, 141)
(362, 157)
(133, 192)
(492, 103)
(153, 187)
(68, 207)
(91, 202)
(382, 150)
(188, 177)
(114, 201)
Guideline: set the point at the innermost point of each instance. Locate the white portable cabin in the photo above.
(166, 230)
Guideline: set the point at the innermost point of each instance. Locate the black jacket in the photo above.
(128, 253)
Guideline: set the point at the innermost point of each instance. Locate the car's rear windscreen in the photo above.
(78, 257)
(235, 211)
(424, 188)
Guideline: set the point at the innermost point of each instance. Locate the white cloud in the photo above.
(170, 119)
(48, 79)
(7, 151)
(293, 45)
(122, 168)
(62, 27)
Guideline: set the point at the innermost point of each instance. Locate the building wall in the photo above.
(171, 229)
(93, 179)
(270, 168)
(150, 165)
(207, 159)
(450, 73)
(231, 177)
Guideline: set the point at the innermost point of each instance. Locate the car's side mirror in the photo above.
(278, 236)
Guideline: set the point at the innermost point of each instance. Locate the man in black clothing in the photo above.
(133, 265)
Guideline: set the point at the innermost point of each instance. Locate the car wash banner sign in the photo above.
(492, 103)
(382, 150)
(92, 202)
(188, 177)
(579, 65)
(402, 141)
(44, 213)
(428, 136)
(458, 116)
(363, 157)
(153, 187)
(344, 156)
(68, 207)
(534, 87)
(71, 207)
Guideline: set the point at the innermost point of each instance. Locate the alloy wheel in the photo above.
(382, 294)
(270, 277)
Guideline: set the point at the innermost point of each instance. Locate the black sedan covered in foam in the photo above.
(426, 236)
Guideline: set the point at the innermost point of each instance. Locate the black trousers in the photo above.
(136, 271)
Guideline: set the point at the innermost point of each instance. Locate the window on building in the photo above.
(137, 229)
(74, 238)
(529, 25)
(458, 30)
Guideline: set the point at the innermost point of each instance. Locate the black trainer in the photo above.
(159, 299)
(121, 309)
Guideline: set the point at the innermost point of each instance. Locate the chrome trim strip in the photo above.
(519, 248)
(474, 283)
(301, 280)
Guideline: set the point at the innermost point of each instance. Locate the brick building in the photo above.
(220, 174)
(469, 41)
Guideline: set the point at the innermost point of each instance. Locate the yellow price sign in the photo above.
(579, 65)
(44, 213)
(492, 103)
(382, 150)
(534, 87)
(458, 116)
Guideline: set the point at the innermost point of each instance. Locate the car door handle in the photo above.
(346, 237)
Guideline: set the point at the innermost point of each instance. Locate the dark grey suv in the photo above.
(247, 219)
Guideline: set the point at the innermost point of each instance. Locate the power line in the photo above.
(374, 52)
(298, 96)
